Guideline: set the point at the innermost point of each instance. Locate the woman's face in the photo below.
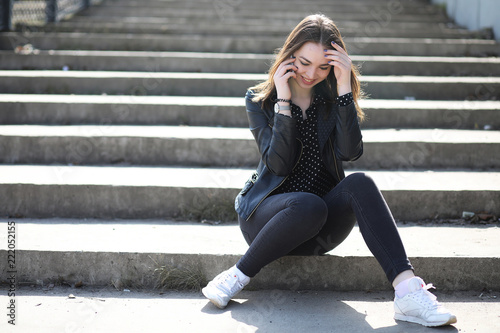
(312, 65)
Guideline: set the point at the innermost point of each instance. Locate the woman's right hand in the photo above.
(285, 71)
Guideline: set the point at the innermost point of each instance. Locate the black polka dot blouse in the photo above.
(310, 175)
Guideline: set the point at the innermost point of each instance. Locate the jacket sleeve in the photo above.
(348, 138)
(278, 145)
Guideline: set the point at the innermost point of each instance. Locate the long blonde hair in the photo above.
(314, 28)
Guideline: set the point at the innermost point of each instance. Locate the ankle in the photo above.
(402, 289)
(404, 275)
(242, 278)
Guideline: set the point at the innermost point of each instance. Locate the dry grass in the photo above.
(179, 278)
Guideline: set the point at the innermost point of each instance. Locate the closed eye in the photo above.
(322, 68)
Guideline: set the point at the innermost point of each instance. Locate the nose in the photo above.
(311, 73)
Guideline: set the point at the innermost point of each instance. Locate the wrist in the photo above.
(280, 94)
(344, 100)
(286, 113)
(283, 100)
(344, 89)
(282, 107)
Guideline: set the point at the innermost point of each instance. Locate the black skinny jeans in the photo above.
(305, 224)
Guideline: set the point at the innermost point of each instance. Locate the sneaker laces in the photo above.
(425, 297)
(229, 283)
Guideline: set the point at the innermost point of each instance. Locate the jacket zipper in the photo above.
(334, 158)
(300, 156)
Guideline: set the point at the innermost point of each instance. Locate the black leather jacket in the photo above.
(281, 148)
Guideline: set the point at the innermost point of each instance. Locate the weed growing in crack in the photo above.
(179, 278)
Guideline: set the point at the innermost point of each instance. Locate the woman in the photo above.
(305, 121)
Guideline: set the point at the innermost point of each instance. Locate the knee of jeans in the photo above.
(361, 180)
(310, 207)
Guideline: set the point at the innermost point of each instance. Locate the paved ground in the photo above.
(106, 310)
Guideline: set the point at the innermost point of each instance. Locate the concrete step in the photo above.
(361, 12)
(228, 111)
(233, 85)
(412, 3)
(375, 19)
(428, 66)
(106, 309)
(208, 193)
(49, 250)
(251, 29)
(348, 21)
(415, 3)
(431, 114)
(236, 63)
(413, 7)
(145, 61)
(371, 21)
(360, 45)
(418, 7)
(234, 147)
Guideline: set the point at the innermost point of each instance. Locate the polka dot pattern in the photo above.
(310, 175)
(345, 100)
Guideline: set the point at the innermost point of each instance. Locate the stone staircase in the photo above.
(126, 114)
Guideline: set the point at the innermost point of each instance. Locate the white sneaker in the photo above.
(222, 288)
(421, 307)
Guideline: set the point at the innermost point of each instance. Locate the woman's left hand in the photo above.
(339, 59)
